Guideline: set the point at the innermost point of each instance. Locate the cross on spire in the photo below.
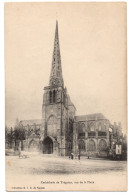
(56, 70)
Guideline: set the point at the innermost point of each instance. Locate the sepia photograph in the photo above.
(66, 96)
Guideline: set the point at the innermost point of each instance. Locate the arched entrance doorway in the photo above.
(47, 146)
(81, 146)
(33, 146)
(102, 145)
(102, 148)
(92, 146)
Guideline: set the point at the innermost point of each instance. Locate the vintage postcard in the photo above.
(66, 96)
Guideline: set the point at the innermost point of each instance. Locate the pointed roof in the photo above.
(56, 70)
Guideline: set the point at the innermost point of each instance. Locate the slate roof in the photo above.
(31, 122)
(89, 117)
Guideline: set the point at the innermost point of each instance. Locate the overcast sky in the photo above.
(93, 54)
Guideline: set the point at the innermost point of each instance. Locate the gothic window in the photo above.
(102, 145)
(104, 126)
(83, 127)
(81, 145)
(50, 96)
(99, 127)
(52, 126)
(81, 130)
(51, 120)
(54, 96)
(91, 145)
(92, 127)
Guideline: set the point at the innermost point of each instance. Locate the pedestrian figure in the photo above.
(72, 156)
(88, 155)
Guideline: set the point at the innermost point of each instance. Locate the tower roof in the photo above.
(56, 70)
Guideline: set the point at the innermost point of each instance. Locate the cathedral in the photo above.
(61, 131)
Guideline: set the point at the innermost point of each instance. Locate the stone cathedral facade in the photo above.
(60, 131)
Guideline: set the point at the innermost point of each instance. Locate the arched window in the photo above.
(92, 127)
(81, 145)
(99, 127)
(81, 130)
(91, 146)
(54, 96)
(52, 126)
(104, 126)
(51, 120)
(50, 97)
(83, 127)
(102, 145)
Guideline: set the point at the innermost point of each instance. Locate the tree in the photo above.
(19, 136)
(9, 136)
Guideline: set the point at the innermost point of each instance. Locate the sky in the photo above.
(93, 54)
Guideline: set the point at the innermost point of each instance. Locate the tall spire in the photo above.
(56, 70)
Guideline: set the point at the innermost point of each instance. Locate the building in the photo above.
(60, 131)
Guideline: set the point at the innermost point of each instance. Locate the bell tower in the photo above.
(55, 104)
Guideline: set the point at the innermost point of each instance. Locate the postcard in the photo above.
(66, 96)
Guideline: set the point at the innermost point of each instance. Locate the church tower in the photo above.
(56, 107)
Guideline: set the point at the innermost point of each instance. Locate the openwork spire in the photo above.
(56, 70)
